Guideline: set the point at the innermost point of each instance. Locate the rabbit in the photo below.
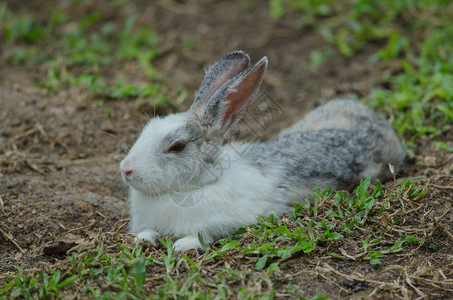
(184, 182)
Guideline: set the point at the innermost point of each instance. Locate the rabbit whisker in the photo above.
(119, 141)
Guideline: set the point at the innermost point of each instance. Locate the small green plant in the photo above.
(318, 58)
(169, 260)
(91, 45)
(45, 285)
(410, 190)
(421, 96)
(374, 256)
(310, 9)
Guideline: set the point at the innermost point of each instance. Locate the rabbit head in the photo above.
(181, 152)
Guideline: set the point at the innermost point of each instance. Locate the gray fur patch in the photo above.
(316, 152)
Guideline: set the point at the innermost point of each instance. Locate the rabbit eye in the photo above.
(176, 147)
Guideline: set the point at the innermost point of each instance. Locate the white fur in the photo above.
(141, 155)
(240, 195)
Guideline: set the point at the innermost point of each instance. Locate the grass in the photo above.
(250, 264)
(79, 50)
(420, 94)
(253, 255)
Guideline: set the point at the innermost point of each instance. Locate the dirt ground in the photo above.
(59, 160)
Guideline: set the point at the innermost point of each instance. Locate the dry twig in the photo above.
(442, 187)
(12, 240)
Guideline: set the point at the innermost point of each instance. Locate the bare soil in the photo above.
(59, 178)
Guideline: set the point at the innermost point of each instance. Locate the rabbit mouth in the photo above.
(132, 180)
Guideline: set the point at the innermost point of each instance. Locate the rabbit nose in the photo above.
(127, 175)
(126, 168)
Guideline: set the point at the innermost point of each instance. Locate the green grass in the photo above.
(84, 47)
(417, 34)
(422, 94)
(81, 50)
(258, 250)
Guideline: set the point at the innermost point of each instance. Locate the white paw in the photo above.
(148, 236)
(187, 243)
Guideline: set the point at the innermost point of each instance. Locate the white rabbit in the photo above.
(184, 182)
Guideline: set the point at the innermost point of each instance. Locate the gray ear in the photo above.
(220, 72)
(232, 99)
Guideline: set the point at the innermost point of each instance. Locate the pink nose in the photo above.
(126, 168)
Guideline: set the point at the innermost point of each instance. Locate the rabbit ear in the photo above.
(230, 101)
(229, 66)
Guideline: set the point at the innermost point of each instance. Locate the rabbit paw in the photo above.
(187, 243)
(148, 236)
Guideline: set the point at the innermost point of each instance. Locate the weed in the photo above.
(45, 285)
(421, 96)
(91, 45)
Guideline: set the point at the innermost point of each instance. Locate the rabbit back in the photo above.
(364, 125)
(335, 145)
(311, 159)
(336, 114)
